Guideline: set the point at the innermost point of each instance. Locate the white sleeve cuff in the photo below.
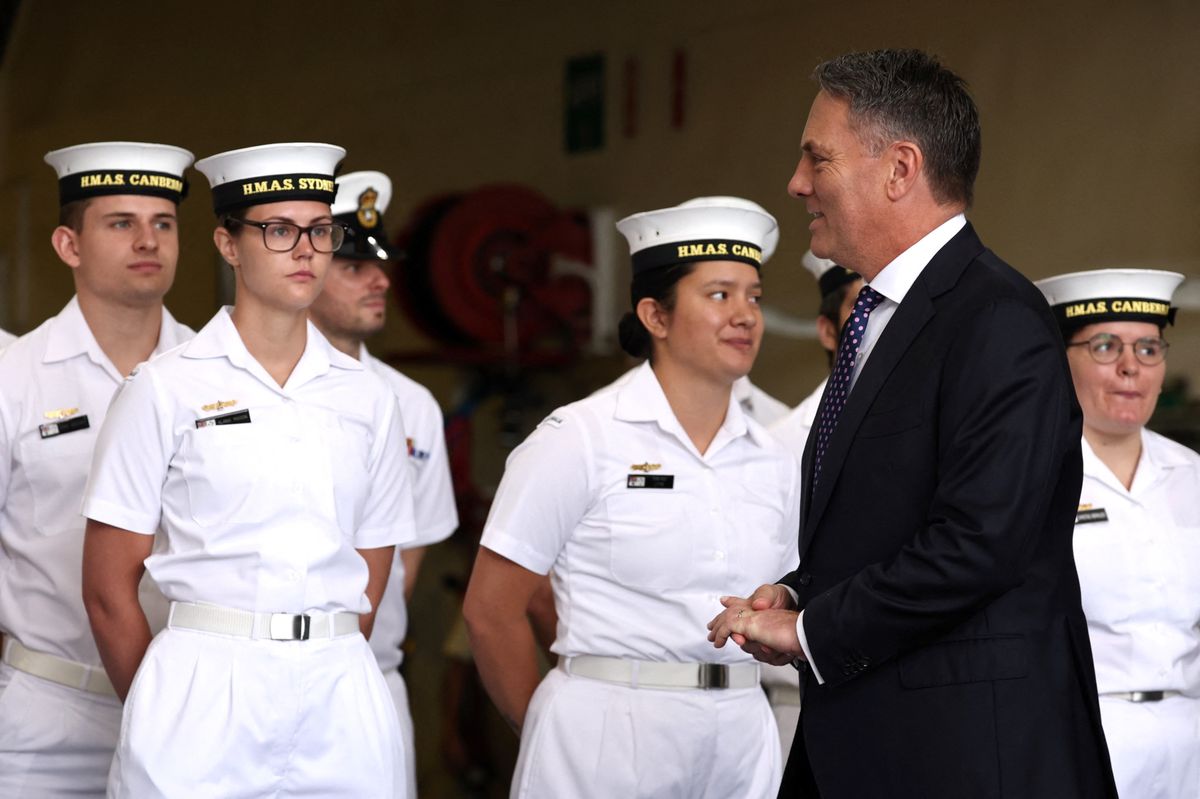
(792, 591)
(804, 646)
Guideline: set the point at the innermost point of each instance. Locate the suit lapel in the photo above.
(910, 317)
(806, 460)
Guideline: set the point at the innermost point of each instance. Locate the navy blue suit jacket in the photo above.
(941, 600)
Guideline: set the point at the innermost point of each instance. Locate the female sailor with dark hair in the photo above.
(646, 503)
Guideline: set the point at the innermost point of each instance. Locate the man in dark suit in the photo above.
(936, 605)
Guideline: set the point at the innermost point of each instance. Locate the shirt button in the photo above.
(292, 575)
(719, 555)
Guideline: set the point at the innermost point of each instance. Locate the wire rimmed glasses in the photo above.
(1107, 348)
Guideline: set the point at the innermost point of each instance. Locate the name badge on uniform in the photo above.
(52, 429)
(1087, 515)
(650, 481)
(238, 417)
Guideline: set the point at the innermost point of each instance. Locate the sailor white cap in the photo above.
(120, 167)
(701, 229)
(362, 197)
(272, 173)
(1106, 295)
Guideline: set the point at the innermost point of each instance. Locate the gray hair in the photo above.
(908, 95)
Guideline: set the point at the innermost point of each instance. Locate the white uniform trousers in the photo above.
(217, 716)
(399, 692)
(54, 740)
(1155, 746)
(588, 738)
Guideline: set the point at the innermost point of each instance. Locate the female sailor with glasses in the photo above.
(1137, 530)
(273, 470)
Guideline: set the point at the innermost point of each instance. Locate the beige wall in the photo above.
(1090, 114)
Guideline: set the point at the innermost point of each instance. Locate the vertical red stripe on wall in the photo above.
(678, 89)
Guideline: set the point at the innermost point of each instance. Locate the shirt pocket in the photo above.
(57, 469)
(341, 471)
(763, 542)
(227, 471)
(651, 544)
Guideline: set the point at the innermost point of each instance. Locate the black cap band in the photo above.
(363, 243)
(103, 182)
(1074, 315)
(834, 278)
(244, 193)
(682, 252)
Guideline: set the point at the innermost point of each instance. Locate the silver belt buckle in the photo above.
(714, 675)
(1145, 696)
(290, 626)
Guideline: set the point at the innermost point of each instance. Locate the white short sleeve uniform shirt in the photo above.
(55, 388)
(792, 430)
(434, 511)
(263, 492)
(1138, 556)
(758, 404)
(640, 533)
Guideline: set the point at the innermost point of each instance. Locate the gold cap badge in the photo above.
(368, 217)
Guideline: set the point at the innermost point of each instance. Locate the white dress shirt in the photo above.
(6, 338)
(641, 533)
(434, 511)
(55, 388)
(893, 282)
(263, 492)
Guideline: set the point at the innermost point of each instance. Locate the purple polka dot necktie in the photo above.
(839, 380)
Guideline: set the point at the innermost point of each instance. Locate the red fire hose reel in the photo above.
(499, 267)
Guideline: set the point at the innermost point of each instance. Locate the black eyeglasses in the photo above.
(1107, 348)
(284, 236)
